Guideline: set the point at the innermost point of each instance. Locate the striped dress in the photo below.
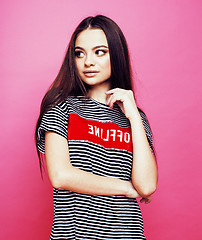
(99, 142)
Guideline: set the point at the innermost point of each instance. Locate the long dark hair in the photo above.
(68, 81)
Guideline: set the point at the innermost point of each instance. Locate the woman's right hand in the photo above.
(146, 200)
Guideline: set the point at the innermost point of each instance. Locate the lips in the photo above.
(90, 73)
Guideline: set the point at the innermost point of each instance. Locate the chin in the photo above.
(92, 82)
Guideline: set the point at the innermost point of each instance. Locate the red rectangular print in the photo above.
(108, 135)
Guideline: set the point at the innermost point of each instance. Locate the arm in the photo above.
(144, 170)
(63, 175)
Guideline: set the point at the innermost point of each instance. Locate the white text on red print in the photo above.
(109, 134)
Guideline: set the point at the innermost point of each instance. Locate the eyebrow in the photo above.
(99, 46)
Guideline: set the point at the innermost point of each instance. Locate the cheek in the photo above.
(107, 65)
(78, 65)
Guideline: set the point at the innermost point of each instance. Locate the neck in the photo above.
(97, 92)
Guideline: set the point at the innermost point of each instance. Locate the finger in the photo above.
(142, 200)
(114, 98)
(117, 96)
(109, 100)
(148, 200)
(111, 91)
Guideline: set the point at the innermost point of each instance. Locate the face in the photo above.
(92, 56)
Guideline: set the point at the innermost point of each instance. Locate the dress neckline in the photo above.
(97, 102)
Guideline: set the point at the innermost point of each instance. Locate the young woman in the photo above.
(97, 143)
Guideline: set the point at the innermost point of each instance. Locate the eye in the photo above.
(79, 54)
(100, 52)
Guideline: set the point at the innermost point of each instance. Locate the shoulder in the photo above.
(61, 108)
(144, 117)
(142, 114)
(56, 116)
(54, 120)
(146, 124)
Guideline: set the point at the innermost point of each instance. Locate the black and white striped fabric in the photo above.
(99, 142)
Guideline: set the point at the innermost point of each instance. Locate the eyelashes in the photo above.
(99, 52)
(79, 54)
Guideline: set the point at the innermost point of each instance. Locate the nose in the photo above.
(89, 61)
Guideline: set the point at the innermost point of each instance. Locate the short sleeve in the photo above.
(55, 120)
(147, 129)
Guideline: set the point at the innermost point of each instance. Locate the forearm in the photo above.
(144, 170)
(63, 175)
(80, 181)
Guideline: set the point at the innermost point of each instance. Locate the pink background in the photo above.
(164, 39)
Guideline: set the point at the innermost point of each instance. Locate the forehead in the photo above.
(91, 38)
